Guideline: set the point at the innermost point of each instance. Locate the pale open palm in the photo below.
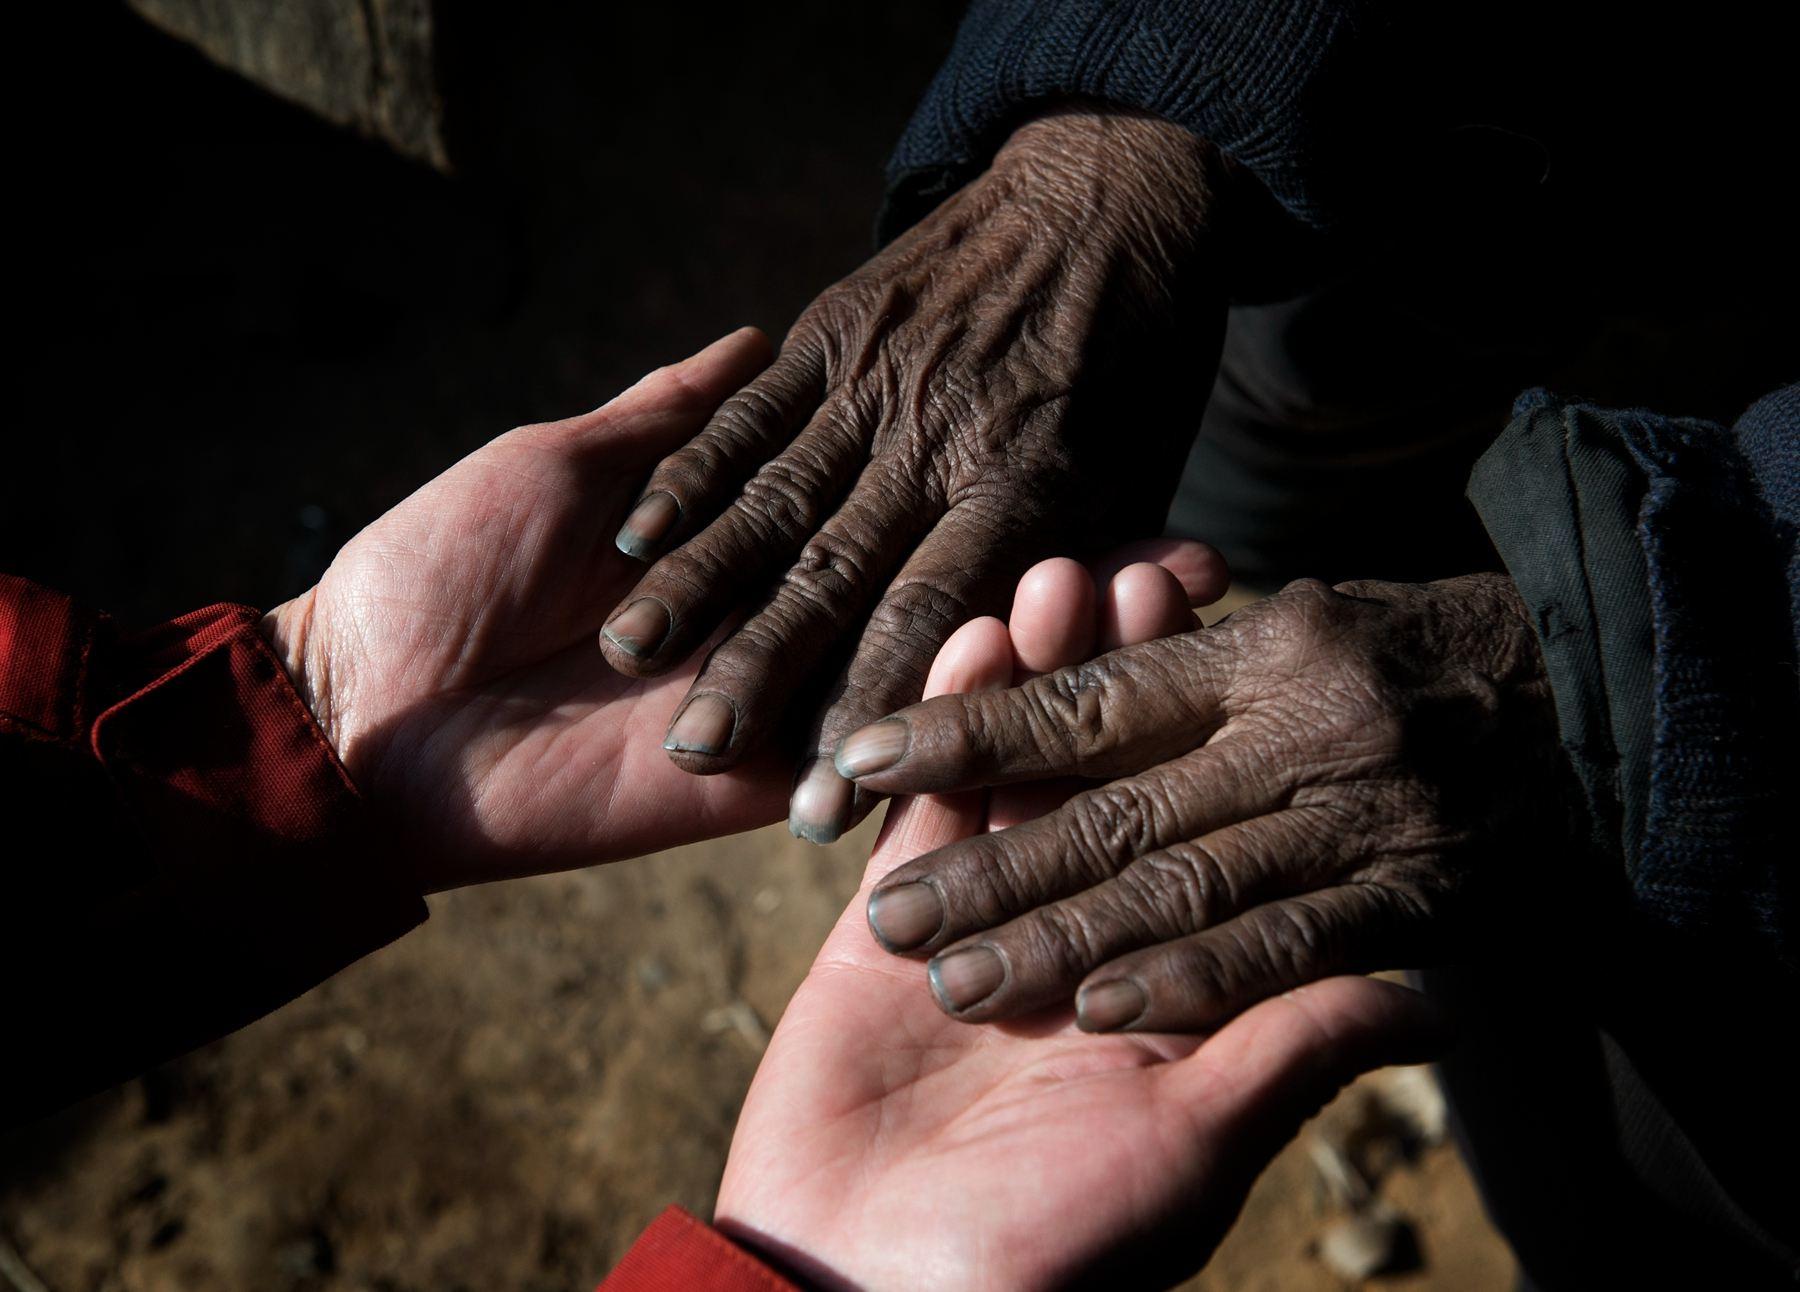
(449, 650)
(884, 1144)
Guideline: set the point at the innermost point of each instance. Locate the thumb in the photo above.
(1252, 1084)
(1243, 1094)
(666, 408)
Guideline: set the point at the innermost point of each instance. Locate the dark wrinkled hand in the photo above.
(1331, 781)
(1022, 370)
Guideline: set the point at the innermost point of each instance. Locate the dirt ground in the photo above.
(506, 1096)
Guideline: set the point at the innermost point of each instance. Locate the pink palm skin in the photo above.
(884, 1144)
(449, 651)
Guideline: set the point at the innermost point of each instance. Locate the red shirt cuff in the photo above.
(203, 856)
(681, 1254)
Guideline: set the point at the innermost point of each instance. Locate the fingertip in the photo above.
(752, 342)
(668, 404)
(1200, 567)
(1053, 616)
(1403, 1025)
(742, 345)
(977, 657)
(1142, 603)
(719, 369)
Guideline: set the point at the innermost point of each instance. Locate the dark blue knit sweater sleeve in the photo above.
(1657, 557)
(1768, 437)
(1285, 87)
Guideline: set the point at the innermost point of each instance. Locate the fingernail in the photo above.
(874, 748)
(820, 807)
(640, 627)
(703, 726)
(967, 977)
(906, 915)
(1108, 1005)
(649, 523)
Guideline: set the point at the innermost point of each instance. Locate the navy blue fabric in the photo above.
(1291, 89)
(1718, 849)
(1766, 438)
(1696, 527)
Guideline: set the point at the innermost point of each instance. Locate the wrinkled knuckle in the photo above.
(835, 315)
(1188, 882)
(784, 498)
(751, 656)
(831, 571)
(1313, 636)
(1116, 823)
(1307, 592)
(1310, 609)
(1071, 710)
(689, 468)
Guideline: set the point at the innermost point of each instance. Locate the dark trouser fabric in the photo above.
(1580, 1163)
(1324, 455)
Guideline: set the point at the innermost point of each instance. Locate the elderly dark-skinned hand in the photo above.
(1332, 780)
(1021, 370)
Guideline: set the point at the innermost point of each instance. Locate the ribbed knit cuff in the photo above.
(1290, 89)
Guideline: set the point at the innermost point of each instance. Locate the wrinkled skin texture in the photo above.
(1330, 781)
(883, 1145)
(448, 651)
(1023, 366)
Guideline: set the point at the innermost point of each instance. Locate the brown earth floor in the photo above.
(505, 1097)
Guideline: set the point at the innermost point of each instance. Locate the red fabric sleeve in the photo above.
(180, 849)
(681, 1254)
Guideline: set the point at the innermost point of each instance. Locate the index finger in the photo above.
(1114, 715)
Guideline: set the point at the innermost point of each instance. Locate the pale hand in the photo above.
(448, 653)
(884, 1144)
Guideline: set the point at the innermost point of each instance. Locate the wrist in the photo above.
(788, 1260)
(1135, 189)
(288, 629)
